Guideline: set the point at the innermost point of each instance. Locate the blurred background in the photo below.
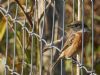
(21, 46)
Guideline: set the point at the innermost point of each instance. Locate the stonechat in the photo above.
(73, 43)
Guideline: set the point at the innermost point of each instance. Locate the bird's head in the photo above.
(77, 26)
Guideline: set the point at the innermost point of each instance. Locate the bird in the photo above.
(73, 44)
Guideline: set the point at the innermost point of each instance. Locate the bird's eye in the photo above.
(76, 25)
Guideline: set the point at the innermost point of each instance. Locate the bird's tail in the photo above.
(53, 66)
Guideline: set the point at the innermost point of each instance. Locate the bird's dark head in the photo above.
(77, 26)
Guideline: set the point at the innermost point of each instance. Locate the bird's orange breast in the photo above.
(77, 42)
(76, 45)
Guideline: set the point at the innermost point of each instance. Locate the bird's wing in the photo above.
(68, 41)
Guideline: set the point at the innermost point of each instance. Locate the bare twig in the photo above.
(25, 13)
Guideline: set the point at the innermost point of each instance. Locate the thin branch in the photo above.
(25, 13)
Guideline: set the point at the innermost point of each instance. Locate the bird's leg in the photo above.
(74, 60)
